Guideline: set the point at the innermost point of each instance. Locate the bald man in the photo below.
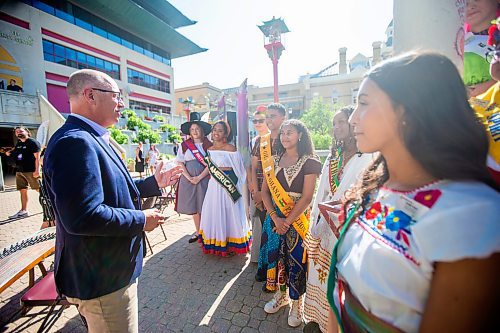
(100, 227)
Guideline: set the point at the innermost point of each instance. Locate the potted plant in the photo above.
(130, 164)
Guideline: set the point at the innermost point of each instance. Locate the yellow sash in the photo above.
(278, 193)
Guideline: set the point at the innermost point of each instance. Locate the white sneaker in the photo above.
(279, 300)
(19, 214)
(295, 314)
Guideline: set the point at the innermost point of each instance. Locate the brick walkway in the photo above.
(180, 289)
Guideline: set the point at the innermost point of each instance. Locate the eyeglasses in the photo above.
(258, 121)
(493, 56)
(118, 95)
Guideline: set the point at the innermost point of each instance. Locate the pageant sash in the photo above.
(222, 179)
(335, 164)
(194, 150)
(278, 193)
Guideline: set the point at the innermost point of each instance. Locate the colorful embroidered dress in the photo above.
(320, 239)
(386, 258)
(224, 227)
(284, 254)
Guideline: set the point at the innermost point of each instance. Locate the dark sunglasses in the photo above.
(258, 121)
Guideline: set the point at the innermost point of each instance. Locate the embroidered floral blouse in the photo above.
(388, 254)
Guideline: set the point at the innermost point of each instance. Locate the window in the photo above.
(99, 63)
(65, 56)
(91, 61)
(81, 57)
(73, 14)
(114, 38)
(83, 24)
(148, 106)
(126, 43)
(138, 49)
(71, 54)
(59, 50)
(65, 16)
(44, 7)
(100, 31)
(149, 81)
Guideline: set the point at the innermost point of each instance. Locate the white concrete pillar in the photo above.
(342, 60)
(376, 52)
(435, 25)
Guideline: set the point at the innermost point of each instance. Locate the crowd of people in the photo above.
(400, 234)
(390, 237)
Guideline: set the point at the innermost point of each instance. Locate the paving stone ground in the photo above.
(180, 289)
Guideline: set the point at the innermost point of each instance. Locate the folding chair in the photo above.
(44, 293)
(167, 197)
(148, 203)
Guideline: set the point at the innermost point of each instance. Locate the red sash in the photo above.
(194, 150)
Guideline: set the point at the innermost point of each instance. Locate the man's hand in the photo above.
(166, 178)
(153, 219)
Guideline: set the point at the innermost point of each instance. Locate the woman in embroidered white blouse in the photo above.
(421, 249)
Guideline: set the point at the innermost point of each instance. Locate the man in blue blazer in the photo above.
(100, 227)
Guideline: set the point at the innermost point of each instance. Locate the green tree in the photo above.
(134, 122)
(147, 134)
(174, 138)
(168, 128)
(159, 118)
(128, 113)
(118, 136)
(318, 119)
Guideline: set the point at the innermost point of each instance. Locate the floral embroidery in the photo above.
(397, 220)
(391, 226)
(428, 198)
(374, 211)
(403, 234)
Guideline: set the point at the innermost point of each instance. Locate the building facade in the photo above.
(43, 42)
(337, 83)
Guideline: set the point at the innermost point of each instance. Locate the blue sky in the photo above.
(318, 28)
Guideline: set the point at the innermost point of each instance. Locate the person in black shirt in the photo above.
(26, 153)
(14, 87)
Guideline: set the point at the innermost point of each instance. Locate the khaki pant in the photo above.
(115, 312)
(23, 179)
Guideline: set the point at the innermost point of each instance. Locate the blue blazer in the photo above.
(100, 238)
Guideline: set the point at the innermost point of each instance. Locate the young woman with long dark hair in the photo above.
(341, 170)
(287, 194)
(419, 250)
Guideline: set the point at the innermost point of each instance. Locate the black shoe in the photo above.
(193, 239)
(260, 278)
(311, 327)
